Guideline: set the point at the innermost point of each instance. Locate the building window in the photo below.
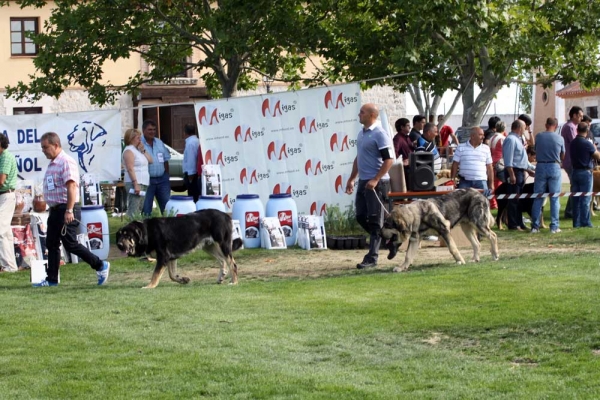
(592, 112)
(20, 43)
(27, 110)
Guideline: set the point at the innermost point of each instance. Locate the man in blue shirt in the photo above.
(160, 185)
(582, 153)
(190, 161)
(427, 143)
(515, 165)
(371, 166)
(550, 152)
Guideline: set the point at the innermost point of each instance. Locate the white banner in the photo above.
(92, 138)
(302, 143)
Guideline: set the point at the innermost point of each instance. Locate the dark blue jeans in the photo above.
(581, 181)
(160, 187)
(465, 184)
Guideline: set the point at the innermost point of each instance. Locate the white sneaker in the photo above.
(557, 230)
(431, 238)
(534, 230)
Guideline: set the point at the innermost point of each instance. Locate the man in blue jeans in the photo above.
(550, 152)
(582, 153)
(160, 185)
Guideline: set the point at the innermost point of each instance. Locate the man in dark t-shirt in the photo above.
(582, 152)
(418, 124)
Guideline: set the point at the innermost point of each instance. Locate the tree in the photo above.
(453, 44)
(235, 39)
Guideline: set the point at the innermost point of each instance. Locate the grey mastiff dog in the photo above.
(409, 222)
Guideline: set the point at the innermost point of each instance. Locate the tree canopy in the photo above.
(233, 37)
(454, 44)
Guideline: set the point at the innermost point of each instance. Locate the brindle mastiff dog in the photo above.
(409, 222)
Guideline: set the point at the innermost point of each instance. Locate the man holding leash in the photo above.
(371, 165)
(61, 191)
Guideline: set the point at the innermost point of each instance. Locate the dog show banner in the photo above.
(92, 138)
(301, 142)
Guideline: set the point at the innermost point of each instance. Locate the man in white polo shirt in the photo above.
(473, 163)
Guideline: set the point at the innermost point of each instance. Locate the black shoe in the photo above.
(366, 264)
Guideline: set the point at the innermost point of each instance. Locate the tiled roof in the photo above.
(574, 90)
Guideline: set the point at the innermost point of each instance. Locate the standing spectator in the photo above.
(418, 124)
(199, 166)
(495, 144)
(473, 162)
(515, 165)
(446, 134)
(550, 151)
(569, 132)
(491, 130)
(402, 144)
(137, 178)
(61, 191)
(190, 161)
(427, 143)
(527, 135)
(160, 185)
(371, 166)
(8, 182)
(588, 120)
(583, 154)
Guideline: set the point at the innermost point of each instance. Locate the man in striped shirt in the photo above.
(473, 163)
(61, 192)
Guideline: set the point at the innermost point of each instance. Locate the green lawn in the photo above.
(526, 327)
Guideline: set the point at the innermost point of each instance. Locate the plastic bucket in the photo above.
(248, 209)
(94, 222)
(284, 208)
(180, 205)
(215, 202)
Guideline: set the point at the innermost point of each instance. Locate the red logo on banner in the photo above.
(282, 187)
(243, 132)
(318, 208)
(226, 201)
(313, 167)
(276, 150)
(308, 125)
(334, 99)
(214, 156)
(94, 230)
(271, 107)
(208, 115)
(339, 143)
(244, 176)
(339, 184)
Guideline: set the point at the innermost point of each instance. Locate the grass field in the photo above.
(526, 326)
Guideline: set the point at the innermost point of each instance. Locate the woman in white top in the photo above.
(137, 178)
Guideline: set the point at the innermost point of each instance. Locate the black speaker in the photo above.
(421, 171)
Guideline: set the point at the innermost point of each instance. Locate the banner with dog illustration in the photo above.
(298, 142)
(92, 138)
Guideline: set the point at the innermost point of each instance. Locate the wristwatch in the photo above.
(69, 210)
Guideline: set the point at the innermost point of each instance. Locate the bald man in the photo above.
(371, 165)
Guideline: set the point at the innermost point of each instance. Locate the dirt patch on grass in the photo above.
(300, 264)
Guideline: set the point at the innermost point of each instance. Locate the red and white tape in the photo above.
(542, 195)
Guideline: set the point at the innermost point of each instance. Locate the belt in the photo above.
(548, 162)
(583, 169)
(7, 191)
(56, 206)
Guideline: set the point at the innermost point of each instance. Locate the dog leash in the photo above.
(63, 231)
